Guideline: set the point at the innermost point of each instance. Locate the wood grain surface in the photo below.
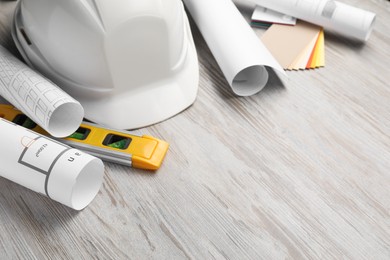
(299, 171)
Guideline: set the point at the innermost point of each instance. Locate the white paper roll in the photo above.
(40, 99)
(237, 49)
(332, 15)
(43, 165)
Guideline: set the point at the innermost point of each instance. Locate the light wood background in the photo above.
(298, 171)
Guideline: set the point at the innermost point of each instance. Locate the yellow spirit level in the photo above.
(143, 152)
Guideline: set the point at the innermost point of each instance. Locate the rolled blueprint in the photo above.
(38, 98)
(64, 174)
(237, 49)
(332, 15)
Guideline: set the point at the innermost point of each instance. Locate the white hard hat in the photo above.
(130, 63)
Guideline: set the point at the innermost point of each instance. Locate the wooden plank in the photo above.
(300, 170)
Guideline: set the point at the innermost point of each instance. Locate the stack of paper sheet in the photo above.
(333, 15)
(264, 18)
(296, 47)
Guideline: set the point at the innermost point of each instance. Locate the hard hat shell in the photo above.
(130, 63)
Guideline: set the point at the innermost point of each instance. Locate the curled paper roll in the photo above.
(38, 98)
(237, 49)
(43, 165)
(332, 15)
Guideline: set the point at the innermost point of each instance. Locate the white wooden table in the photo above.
(300, 170)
